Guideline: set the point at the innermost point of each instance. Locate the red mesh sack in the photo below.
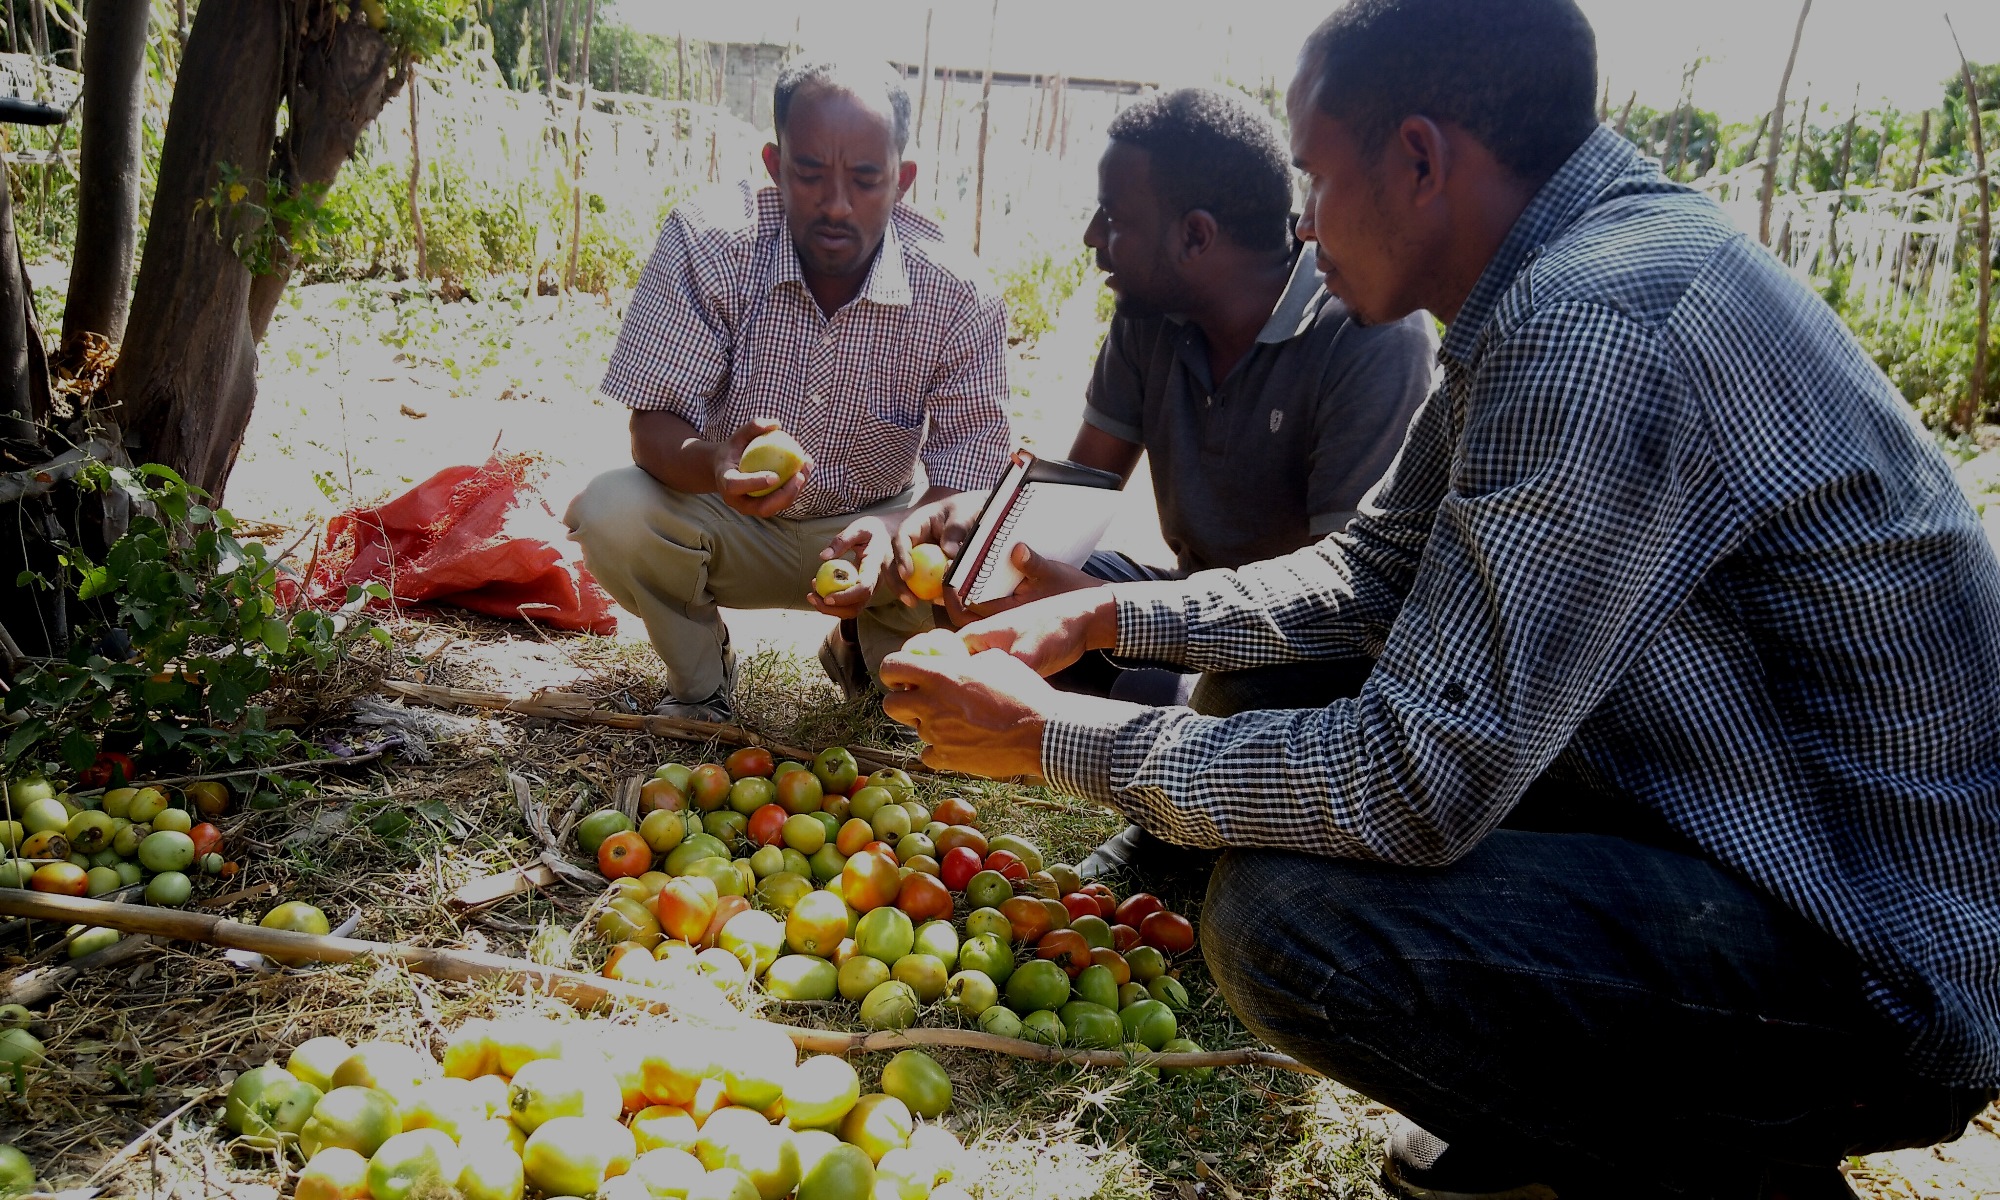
(479, 538)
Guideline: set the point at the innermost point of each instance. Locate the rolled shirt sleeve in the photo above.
(968, 437)
(1571, 533)
(673, 351)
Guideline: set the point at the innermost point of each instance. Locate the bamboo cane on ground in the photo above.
(573, 987)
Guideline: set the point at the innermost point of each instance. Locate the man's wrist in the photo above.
(1101, 630)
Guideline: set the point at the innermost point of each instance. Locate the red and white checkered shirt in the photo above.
(722, 330)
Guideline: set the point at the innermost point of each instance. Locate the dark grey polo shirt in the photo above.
(1282, 451)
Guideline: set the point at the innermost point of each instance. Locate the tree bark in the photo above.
(187, 376)
(18, 406)
(107, 210)
(343, 84)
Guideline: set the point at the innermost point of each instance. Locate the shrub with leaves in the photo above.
(193, 624)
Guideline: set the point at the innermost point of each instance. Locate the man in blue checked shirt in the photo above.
(1660, 853)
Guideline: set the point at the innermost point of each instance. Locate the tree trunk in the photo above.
(342, 85)
(985, 112)
(187, 376)
(107, 209)
(18, 406)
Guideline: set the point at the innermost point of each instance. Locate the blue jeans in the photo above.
(1618, 1017)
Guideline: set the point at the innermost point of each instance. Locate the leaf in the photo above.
(79, 749)
(381, 635)
(277, 636)
(25, 735)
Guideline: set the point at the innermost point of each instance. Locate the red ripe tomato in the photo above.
(958, 866)
(120, 769)
(924, 898)
(1027, 917)
(750, 760)
(767, 824)
(624, 855)
(1066, 949)
(1123, 938)
(1080, 905)
(1009, 865)
(1171, 933)
(207, 839)
(1136, 908)
(1107, 903)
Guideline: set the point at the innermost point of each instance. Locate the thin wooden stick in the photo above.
(1968, 414)
(1770, 189)
(985, 111)
(44, 983)
(568, 706)
(924, 80)
(574, 987)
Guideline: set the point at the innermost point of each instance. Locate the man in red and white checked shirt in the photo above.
(824, 307)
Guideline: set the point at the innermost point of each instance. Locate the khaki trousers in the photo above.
(673, 558)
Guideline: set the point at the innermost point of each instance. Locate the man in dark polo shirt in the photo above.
(1266, 411)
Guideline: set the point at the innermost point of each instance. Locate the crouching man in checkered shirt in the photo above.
(1659, 855)
(823, 307)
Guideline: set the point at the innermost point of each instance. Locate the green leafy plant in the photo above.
(212, 623)
(268, 225)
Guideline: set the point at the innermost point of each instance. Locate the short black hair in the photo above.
(856, 78)
(1519, 75)
(1218, 152)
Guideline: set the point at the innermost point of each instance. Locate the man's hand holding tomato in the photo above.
(984, 713)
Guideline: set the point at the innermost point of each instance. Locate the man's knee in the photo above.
(625, 513)
(1289, 937)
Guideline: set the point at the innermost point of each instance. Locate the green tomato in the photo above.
(166, 850)
(17, 1174)
(169, 889)
(269, 1100)
(593, 829)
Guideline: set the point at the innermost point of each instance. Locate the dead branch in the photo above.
(574, 987)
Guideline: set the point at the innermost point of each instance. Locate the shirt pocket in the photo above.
(895, 405)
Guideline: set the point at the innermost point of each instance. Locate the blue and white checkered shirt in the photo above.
(1662, 517)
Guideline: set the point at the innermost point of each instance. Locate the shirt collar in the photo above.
(1295, 310)
(888, 283)
(1569, 193)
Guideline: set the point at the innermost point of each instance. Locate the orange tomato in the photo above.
(869, 881)
(615, 964)
(853, 836)
(750, 760)
(61, 878)
(961, 835)
(955, 810)
(685, 905)
(1066, 949)
(1114, 962)
(624, 856)
(924, 898)
(1009, 865)
(1028, 918)
(207, 839)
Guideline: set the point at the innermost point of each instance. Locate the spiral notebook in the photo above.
(1059, 509)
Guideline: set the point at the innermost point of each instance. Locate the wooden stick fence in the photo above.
(574, 987)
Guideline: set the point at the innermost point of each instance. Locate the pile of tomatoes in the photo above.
(92, 844)
(817, 881)
(591, 1108)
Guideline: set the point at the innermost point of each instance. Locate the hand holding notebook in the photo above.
(1058, 509)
